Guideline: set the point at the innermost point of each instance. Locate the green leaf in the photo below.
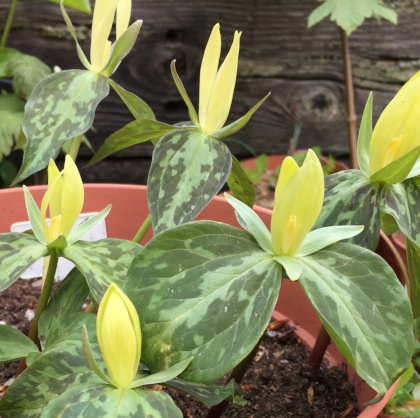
(205, 290)
(83, 5)
(102, 262)
(350, 199)
(323, 237)
(17, 253)
(14, 345)
(188, 169)
(80, 231)
(365, 135)
(208, 394)
(8, 172)
(388, 224)
(6, 56)
(11, 115)
(252, 223)
(398, 170)
(122, 47)
(164, 375)
(364, 308)
(191, 110)
(402, 202)
(134, 133)
(80, 52)
(101, 400)
(26, 71)
(34, 215)
(135, 105)
(349, 15)
(66, 300)
(53, 372)
(240, 184)
(61, 106)
(240, 123)
(413, 260)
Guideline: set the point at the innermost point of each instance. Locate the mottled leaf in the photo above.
(11, 116)
(398, 170)
(350, 199)
(14, 345)
(252, 223)
(365, 135)
(208, 394)
(83, 5)
(364, 309)
(67, 300)
(61, 106)
(188, 169)
(413, 260)
(240, 184)
(122, 47)
(402, 202)
(17, 253)
(105, 401)
(191, 109)
(388, 224)
(205, 290)
(102, 262)
(49, 375)
(240, 123)
(134, 133)
(135, 105)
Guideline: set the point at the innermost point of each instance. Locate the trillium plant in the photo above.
(193, 303)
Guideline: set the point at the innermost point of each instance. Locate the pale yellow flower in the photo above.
(398, 128)
(103, 19)
(119, 336)
(64, 198)
(217, 84)
(298, 201)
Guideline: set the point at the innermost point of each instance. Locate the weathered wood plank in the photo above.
(301, 67)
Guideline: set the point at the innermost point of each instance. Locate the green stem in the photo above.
(143, 229)
(75, 145)
(91, 308)
(8, 23)
(45, 295)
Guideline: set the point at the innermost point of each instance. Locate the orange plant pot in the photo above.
(129, 209)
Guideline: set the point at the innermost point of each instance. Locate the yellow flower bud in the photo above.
(119, 336)
(398, 128)
(64, 198)
(298, 201)
(103, 18)
(217, 86)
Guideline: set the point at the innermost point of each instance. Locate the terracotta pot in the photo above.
(129, 206)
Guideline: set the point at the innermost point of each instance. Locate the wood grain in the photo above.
(301, 67)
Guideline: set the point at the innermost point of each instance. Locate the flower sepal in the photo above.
(58, 244)
(398, 170)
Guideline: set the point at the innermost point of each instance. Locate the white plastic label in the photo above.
(64, 266)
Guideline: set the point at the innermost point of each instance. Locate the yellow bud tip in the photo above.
(289, 237)
(391, 153)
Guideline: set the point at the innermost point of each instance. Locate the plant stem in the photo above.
(75, 145)
(8, 23)
(351, 113)
(143, 229)
(91, 308)
(237, 374)
(322, 342)
(45, 295)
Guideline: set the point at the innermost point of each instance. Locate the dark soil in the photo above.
(279, 383)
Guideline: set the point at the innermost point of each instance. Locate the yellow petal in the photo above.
(54, 229)
(392, 151)
(289, 167)
(72, 196)
(119, 336)
(301, 197)
(103, 18)
(209, 66)
(290, 232)
(123, 16)
(400, 118)
(222, 94)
